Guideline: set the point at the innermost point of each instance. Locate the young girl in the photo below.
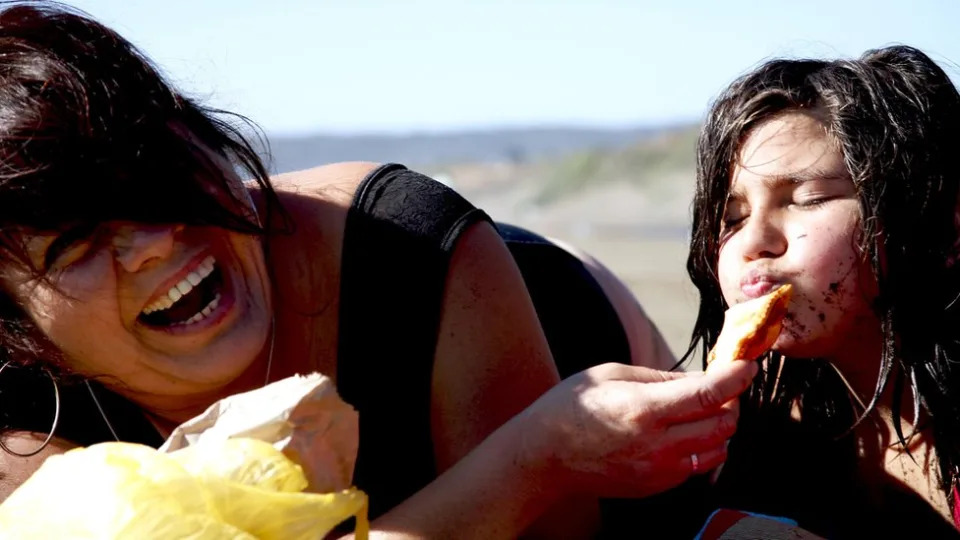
(840, 178)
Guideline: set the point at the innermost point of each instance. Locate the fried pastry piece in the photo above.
(751, 328)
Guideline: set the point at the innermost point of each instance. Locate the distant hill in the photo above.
(521, 145)
(575, 183)
(621, 195)
(639, 189)
(641, 164)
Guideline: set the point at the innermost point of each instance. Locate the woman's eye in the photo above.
(70, 246)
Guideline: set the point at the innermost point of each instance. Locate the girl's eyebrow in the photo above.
(773, 181)
(776, 181)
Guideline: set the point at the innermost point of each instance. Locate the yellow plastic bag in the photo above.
(236, 489)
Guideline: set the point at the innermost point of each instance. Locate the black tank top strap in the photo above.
(416, 204)
(400, 232)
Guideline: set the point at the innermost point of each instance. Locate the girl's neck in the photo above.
(885, 461)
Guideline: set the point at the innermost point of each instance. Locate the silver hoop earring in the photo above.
(56, 417)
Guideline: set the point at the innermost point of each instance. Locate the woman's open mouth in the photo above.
(190, 301)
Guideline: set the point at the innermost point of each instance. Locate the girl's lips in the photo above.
(755, 288)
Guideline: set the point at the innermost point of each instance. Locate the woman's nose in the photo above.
(136, 245)
(763, 237)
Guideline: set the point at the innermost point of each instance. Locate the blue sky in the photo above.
(300, 66)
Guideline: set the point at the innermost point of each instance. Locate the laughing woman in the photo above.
(142, 280)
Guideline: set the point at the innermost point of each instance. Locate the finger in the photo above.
(706, 461)
(624, 372)
(725, 367)
(693, 398)
(732, 405)
(701, 435)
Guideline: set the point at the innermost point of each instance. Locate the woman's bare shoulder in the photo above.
(332, 183)
(306, 262)
(14, 470)
(317, 200)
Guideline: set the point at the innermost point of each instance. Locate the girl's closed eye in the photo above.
(731, 222)
(813, 201)
(815, 193)
(734, 214)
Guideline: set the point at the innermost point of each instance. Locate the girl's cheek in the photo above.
(727, 276)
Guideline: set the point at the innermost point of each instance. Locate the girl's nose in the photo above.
(136, 244)
(762, 238)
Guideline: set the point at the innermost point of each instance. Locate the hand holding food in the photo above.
(626, 431)
(751, 328)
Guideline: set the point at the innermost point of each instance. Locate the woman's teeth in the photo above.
(203, 312)
(183, 287)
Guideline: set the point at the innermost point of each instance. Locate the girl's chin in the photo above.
(789, 347)
(796, 350)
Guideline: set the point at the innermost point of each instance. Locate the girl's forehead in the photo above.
(792, 147)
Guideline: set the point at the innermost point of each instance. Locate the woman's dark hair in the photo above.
(90, 132)
(896, 118)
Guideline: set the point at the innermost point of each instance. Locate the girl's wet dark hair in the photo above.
(895, 115)
(90, 132)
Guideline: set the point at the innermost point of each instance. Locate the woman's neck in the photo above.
(168, 412)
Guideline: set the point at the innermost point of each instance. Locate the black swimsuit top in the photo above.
(401, 232)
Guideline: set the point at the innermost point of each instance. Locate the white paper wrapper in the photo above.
(302, 416)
